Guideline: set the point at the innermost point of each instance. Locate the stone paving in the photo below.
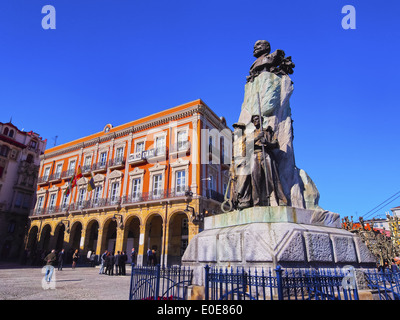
(84, 283)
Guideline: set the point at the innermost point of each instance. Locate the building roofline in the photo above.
(139, 124)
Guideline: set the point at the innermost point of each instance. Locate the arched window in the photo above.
(5, 131)
(11, 133)
(29, 158)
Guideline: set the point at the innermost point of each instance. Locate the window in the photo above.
(52, 202)
(86, 164)
(11, 133)
(29, 158)
(4, 151)
(46, 173)
(5, 132)
(81, 196)
(180, 182)
(39, 205)
(139, 146)
(136, 188)
(119, 154)
(11, 226)
(114, 192)
(160, 145)
(18, 200)
(97, 194)
(27, 201)
(157, 185)
(71, 168)
(182, 140)
(103, 159)
(64, 204)
(58, 170)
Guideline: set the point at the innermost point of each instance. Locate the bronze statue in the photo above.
(275, 62)
(264, 171)
(241, 169)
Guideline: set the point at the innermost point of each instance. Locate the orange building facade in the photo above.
(152, 179)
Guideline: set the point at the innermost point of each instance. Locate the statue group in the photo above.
(271, 212)
(254, 172)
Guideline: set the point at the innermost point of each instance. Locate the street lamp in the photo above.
(66, 224)
(196, 217)
(118, 217)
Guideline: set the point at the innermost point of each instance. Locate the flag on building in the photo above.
(90, 185)
(76, 177)
(73, 181)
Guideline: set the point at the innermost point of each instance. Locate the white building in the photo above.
(19, 165)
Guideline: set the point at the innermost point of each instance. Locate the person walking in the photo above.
(149, 257)
(92, 259)
(110, 264)
(50, 262)
(133, 257)
(75, 258)
(61, 259)
(153, 257)
(117, 258)
(103, 262)
(124, 258)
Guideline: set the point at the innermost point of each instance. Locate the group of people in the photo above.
(151, 257)
(393, 267)
(109, 260)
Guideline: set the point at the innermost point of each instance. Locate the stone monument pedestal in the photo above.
(270, 236)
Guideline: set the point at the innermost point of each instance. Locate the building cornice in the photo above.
(200, 108)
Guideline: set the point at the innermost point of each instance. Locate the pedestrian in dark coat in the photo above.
(117, 263)
(133, 257)
(61, 259)
(110, 264)
(124, 258)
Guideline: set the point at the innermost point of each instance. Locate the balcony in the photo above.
(116, 163)
(43, 180)
(136, 158)
(177, 193)
(55, 177)
(67, 174)
(99, 167)
(180, 149)
(151, 155)
(156, 154)
(50, 210)
(86, 169)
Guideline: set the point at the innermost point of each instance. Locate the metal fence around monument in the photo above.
(384, 284)
(160, 282)
(277, 284)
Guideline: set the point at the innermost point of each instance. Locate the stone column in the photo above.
(119, 241)
(100, 248)
(141, 249)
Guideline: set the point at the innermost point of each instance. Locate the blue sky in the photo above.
(113, 61)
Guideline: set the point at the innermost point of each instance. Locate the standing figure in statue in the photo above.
(264, 172)
(241, 173)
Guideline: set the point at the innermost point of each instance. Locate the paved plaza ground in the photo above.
(84, 283)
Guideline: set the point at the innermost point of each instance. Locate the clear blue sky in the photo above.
(113, 61)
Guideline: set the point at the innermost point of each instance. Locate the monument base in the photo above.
(270, 236)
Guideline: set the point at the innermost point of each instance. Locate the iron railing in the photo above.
(277, 284)
(160, 283)
(385, 283)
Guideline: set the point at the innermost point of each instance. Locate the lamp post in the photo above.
(118, 217)
(66, 223)
(196, 217)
